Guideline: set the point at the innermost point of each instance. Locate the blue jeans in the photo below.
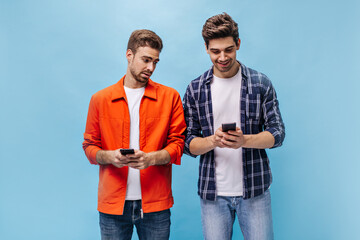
(254, 216)
(155, 225)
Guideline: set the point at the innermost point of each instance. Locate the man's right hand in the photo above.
(113, 157)
(217, 137)
(202, 145)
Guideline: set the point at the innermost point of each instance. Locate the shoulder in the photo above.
(256, 80)
(200, 80)
(105, 93)
(194, 87)
(165, 90)
(255, 76)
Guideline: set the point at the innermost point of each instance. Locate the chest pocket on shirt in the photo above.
(112, 132)
(156, 132)
(253, 107)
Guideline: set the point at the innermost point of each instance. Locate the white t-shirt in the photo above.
(225, 94)
(134, 96)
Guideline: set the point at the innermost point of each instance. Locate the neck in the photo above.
(232, 72)
(131, 82)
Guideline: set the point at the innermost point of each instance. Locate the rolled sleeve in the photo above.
(175, 139)
(92, 136)
(278, 136)
(187, 146)
(175, 157)
(272, 116)
(192, 120)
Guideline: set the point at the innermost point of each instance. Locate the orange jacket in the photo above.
(161, 127)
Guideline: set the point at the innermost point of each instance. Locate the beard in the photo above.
(138, 77)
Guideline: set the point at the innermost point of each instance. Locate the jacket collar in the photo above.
(119, 91)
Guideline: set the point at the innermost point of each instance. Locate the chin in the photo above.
(142, 80)
(223, 69)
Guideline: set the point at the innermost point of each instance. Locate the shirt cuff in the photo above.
(91, 155)
(174, 156)
(277, 135)
(187, 146)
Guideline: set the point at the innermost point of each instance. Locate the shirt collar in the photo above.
(119, 91)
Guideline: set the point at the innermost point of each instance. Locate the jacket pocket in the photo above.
(156, 132)
(112, 132)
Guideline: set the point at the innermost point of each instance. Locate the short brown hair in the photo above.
(142, 38)
(220, 26)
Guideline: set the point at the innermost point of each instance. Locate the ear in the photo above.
(238, 44)
(129, 55)
(206, 48)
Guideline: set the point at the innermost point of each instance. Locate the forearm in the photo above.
(260, 141)
(104, 157)
(160, 157)
(201, 145)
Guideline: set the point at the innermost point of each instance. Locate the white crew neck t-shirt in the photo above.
(225, 95)
(134, 96)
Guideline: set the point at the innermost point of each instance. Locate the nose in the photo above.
(150, 67)
(222, 56)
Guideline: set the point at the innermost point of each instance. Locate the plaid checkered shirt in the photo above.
(259, 110)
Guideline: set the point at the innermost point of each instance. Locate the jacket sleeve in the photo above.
(92, 135)
(273, 122)
(192, 120)
(175, 137)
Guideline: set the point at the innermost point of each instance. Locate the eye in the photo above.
(229, 50)
(215, 51)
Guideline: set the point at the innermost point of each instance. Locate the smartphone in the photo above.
(229, 126)
(127, 151)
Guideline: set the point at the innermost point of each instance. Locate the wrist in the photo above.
(211, 142)
(150, 158)
(99, 157)
(247, 139)
(103, 157)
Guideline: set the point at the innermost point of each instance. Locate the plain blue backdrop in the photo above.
(55, 54)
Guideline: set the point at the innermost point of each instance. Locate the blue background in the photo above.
(55, 54)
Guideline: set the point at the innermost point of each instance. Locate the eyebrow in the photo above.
(147, 57)
(227, 48)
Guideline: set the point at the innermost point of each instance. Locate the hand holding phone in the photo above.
(127, 151)
(228, 127)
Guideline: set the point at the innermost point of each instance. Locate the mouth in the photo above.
(146, 74)
(224, 64)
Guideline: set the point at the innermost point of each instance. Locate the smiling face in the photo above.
(222, 53)
(141, 66)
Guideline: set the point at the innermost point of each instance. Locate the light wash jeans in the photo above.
(254, 215)
(149, 226)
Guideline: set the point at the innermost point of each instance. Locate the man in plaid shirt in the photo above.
(234, 171)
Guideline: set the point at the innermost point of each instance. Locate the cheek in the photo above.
(213, 58)
(139, 66)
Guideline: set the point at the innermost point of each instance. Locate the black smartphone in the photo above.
(228, 126)
(127, 151)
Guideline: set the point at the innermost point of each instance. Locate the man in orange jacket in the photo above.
(135, 113)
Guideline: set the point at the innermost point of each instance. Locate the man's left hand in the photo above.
(139, 160)
(233, 139)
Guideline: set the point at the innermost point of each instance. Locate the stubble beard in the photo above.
(137, 77)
